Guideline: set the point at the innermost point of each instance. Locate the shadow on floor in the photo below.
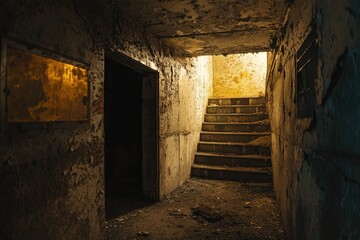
(259, 188)
(118, 205)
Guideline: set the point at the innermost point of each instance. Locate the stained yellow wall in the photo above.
(239, 75)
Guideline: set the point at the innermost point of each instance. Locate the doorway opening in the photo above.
(131, 135)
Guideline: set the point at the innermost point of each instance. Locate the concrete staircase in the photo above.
(235, 141)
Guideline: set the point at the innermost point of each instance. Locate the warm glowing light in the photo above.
(239, 75)
(43, 89)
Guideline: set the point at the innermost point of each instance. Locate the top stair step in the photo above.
(236, 101)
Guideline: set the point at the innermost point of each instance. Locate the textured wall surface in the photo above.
(51, 175)
(239, 75)
(208, 27)
(181, 120)
(183, 99)
(316, 160)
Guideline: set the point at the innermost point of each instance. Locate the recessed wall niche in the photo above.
(40, 88)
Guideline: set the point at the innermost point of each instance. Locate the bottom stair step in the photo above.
(248, 174)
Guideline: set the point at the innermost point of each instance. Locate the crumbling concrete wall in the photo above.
(316, 159)
(51, 174)
(183, 99)
(181, 120)
(185, 84)
(239, 75)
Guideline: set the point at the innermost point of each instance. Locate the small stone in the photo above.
(143, 233)
(177, 212)
(247, 205)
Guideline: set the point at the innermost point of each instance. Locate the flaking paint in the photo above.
(52, 174)
(239, 75)
(315, 160)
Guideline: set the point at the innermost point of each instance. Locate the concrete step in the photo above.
(233, 148)
(262, 126)
(236, 117)
(232, 160)
(232, 173)
(231, 136)
(237, 101)
(236, 109)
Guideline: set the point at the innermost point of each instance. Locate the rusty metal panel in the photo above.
(40, 89)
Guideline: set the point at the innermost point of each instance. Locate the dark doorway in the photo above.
(127, 178)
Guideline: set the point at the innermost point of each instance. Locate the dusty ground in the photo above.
(200, 209)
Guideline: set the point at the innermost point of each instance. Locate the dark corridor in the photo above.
(123, 135)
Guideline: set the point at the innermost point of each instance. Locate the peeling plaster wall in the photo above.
(316, 160)
(181, 121)
(239, 75)
(183, 101)
(51, 174)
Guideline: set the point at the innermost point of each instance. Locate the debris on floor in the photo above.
(143, 233)
(203, 209)
(208, 213)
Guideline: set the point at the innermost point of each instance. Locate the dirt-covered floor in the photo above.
(200, 209)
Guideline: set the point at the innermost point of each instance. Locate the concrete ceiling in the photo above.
(210, 27)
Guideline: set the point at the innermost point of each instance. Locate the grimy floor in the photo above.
(200, 209)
